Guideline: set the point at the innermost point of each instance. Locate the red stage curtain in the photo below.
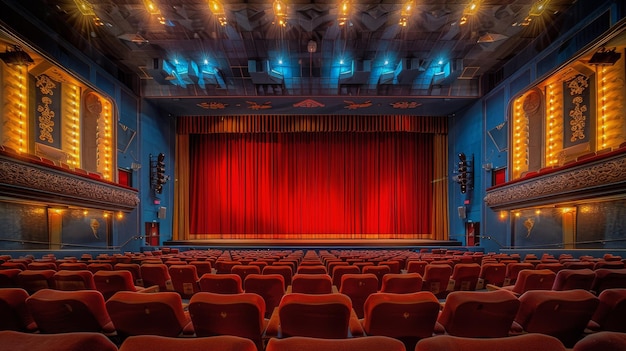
(310, 185)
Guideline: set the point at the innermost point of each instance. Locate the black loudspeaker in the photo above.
(461, 210)
(162, 212)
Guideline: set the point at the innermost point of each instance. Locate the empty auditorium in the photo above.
(290, 175)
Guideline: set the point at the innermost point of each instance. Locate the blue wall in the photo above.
(158, 135)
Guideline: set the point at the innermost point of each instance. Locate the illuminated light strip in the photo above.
(518, 134)
(550, 126)
(603, 109)
(75, 128)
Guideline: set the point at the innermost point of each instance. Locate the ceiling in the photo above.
(182, 51)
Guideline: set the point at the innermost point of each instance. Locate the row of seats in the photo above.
(16, 341)
(565, 315)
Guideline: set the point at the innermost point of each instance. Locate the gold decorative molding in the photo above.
(597, 178)
(22, 179)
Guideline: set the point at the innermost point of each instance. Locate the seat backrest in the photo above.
(244, 270)
(524, 342)
(380, 271)
(436, 277)
(184, 279)
(401, 316)
(416, 267)
(513, 269)
(568, 279)
(562, 314)
(311, 269)
(18, 341)
(57, 311)
(465, 276)
(553, 266)
(156, 274)
(110, 282)
(602, 341)
(94, 267)
(366, 343)
(319, 316)
(271, 287)
(493, 273)
(220, 342)
(33, 281)
(225, 266)
(226, 283)
(13, 310)
(8, 277)
(608, 279)
(530, 279)
(312, 284)
(42, 265)
(611, 312)
(401, 283)
(202, 267)
(394, 265)
(73, 266)
(159, 313)
(228, 314)
(358, 287)
(133, 268)
(479, 314)
(339, 271)
(70, 280)
(285, 270)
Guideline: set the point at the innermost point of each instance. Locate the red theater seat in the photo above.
(568, 279)
(157, 274)
(74, 280)
(479, 314)
(312, 284)
(184, 279)
(159, 313)
(110, 282)
(367, 343)
(562, 314)
(13, 311)
(213, 343)
(358, 287)
(16, 341)
(229, 314)
(611, 312)
(401, 283)
(602, 341)
(226, 283)
(285, 270)
(57, 311)
(327, 316)
(271, 287)
(532, 280)
(527, 342)
(407, 317)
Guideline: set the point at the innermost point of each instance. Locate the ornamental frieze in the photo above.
(564, 185)
(72, 189)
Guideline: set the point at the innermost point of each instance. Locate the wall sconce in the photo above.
(605, 57)
(15, 56)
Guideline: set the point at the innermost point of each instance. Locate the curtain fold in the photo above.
(311, 185)
(181, 189)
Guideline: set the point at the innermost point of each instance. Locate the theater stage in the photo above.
(313, 243)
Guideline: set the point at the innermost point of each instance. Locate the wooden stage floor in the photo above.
(313, 243)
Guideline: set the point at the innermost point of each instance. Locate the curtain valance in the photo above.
(311, 124)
